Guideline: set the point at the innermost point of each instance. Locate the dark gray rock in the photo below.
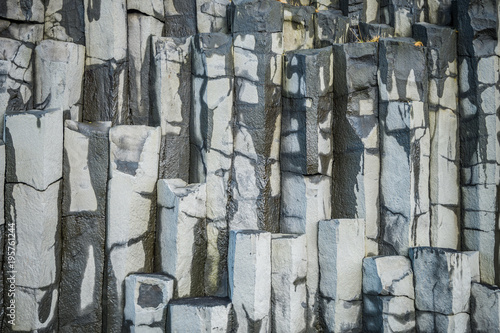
(485, 308)
(211, 16)
(306, 133)
(64, 21)
(369, 31)
(155, 8)
(140, 29)
(298, 27)
(331, 28)
(171, 103)
(400, 14)
(370, 12)
(256, 16)
(449, 274)
(180, 18)
(439, 12)
(388, 314)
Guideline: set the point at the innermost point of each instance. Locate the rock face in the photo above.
(356, 137)
(180, 18)
(249, 267)
(211, 138)
(288, 288)
(85, 176)
(211, 16)
(298, 27)
(32, 204)
(146, 299)
(59, 76)
(404, 146)
(331, 27)
(171, 103)
(64, 21)
(182, 234)
(200, 314)
(485, 308)
(130, 217)
(341, 250)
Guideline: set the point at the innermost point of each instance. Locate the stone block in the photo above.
(130, 220)
(155, 8)
(33, 220)
(34, 147)
(146, 300)
(289, 276)
(449, 273)
(64, 21)
(18, 10)
(388, 314)
(402, 70)
(140, 29)
(370, 11)
(484, 243)
(255, 187)
(59, 77)
(257, 16)
(341, 251)
(477, 23)
(249, 266)
(404, 177)
(298, 27)
(322, 5)
(331, 28)
(485, 308)
(25, 32)
(171, 103)
(16, 77)
(370, 31)
(473, 257)
(182, 236)
(180, 18)
(200, 314)
(211, 16)
(305, 201)
(399, 14)
(440, 323)
(388, 276)
(341, 316)
(306, 126)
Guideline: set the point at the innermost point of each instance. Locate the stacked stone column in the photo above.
(211, 134)
(86, 160)
(306, 155)
(32, 265)
(404, 146)
(479, 127)
(443, 124)
(180, 18)
(356, 168)
(130, 215)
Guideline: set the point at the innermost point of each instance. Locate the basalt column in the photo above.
(356, 167)
(34, 151)
(443, 124)
(180, 18)
(479, 128)
(131, 212)
(106, 78)
(85, 177)
(171, 103)
(211, 142)
(404, 146)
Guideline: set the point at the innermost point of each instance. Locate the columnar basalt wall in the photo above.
(249, 166)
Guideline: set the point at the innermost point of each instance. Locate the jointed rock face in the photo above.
(249, 166)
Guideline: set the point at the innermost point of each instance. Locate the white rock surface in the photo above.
(341, 249)
(342, 316)
(485, 308)
(146, 300)
(18, 10)
(211, 15)
(388, 314)
(436, 322)
(388, 276)
(449, 274)
(289, 275)
(34, 147)
(199, 314)
(249, 268)
(182, 245)
(475, 272)
(153, 8)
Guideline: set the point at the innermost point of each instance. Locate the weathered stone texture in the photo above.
(399, 14)
(200, 314)
(171, 103)
(64, 21)
(59, 70)
(256, 16)
(249, 266)
(181, 235)
(211, 16)
(331, 27)
(298, 27)
(130, 220)
(19, 10)
(485, 308)
(356, 167)
(180, 18)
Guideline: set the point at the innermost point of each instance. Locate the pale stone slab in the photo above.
(249, 266)
(200, 314)
(181, 234)
(388, 314)
(331, 27)
(64, 21)
(59, 77)
(298, 27)
(146, 300)
(436, 322)
(180, 18)
(388, 276)
(289, 276)
(211, 15)
(155, 8)
(342, 316)
(19, 10)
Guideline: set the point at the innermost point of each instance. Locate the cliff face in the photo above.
(250, 165)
